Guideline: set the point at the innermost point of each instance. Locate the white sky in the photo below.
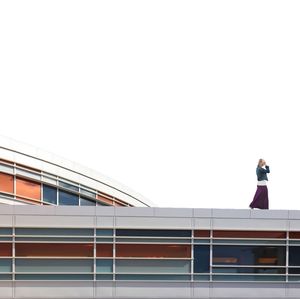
(176, 99)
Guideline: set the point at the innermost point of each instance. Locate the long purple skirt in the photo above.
(261, 199)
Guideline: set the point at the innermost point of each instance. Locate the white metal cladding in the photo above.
(163, 218)
(17, 152)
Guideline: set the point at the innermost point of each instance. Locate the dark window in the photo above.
(201, 259)
(68, 199)
(249, 255)
(153, 233)
(68, 186)
(294, 256)
(87, 202)
(49, 194)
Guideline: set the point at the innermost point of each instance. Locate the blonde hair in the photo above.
(259, 162)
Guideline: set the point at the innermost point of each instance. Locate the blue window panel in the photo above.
(249, 255)
(201, 258)
(153, 266)
(104, 266)
(54, 265)
(54, 277)
(5, 265)
(49, 194)
(68, 199)
(153, 233)
(5, 231)
(294, 256)
(294, 270)
(105, 232)
(201, 277)
(86, 202)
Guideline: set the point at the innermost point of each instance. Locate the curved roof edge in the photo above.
(48, 157)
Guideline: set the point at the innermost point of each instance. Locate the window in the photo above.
(54, 249)
(86, 202)
(153, 233)
(105, 200)
(249, 255)
(5, 265)
(294, 256)
(151, 250)
(104, 266)
(49, 194)
(28, 189)
(68, 199)
(69, 186)
(6, 183)
(70, 232)
(201, 258)
(54, 265)
(54, 277)
(155, 277)
(201, 233)
(153, 266)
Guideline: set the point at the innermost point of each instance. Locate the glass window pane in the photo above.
(54, 249)
(5, 249)
(104, 266)
(104, 277)
(68, 186)
(87, 193)
(153, 250)
(53, 265)
(5, 231)
(294, 235)
(104, 232)
(28, 189)
(148, 240)
(105, 200)
(104, 250)
(152, 277)
(49, 194)
(68, 199)
(28, 174)
(294, 256)
(153, 266)
(248, 255)
(54, 277)
(6, 183)
(6, 168)
(249, 234)
(248, 278)
(5, 265)
(249, 270)
(201, 258)
(153, 233)
(55, 231)
(5, 277)
(87, 202)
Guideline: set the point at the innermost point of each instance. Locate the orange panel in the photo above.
(104, 250)
(28, 189)
(153, 250)
(54, 249)
(6, 183)
(5, 249)
(105, 199)
(249, 234)
(294, 235)
(202, 233)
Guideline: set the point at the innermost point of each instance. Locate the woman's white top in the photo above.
(262, 183)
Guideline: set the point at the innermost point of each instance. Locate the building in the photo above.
(59, 247)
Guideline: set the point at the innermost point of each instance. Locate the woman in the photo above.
(261, 200)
